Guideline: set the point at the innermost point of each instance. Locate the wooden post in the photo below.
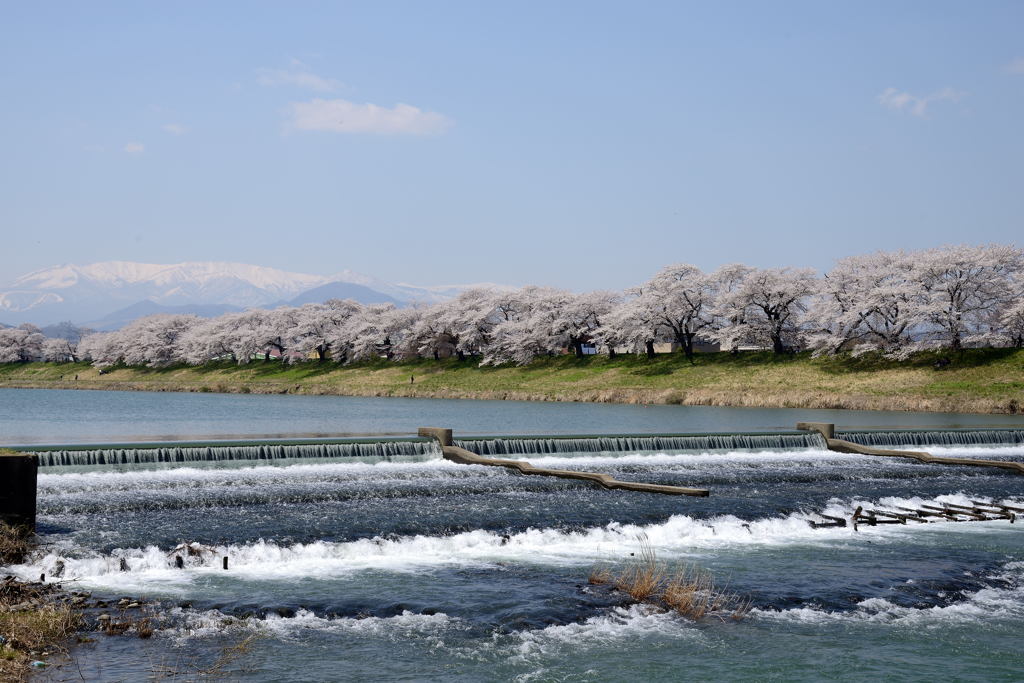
(18, 489)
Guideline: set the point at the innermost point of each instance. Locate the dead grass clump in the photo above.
(38, 628)
(600, 575)
(685, 589)
(644, 576)
(691, 591)
(224, 667)
(14, 543)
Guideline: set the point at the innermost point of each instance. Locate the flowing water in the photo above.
(406, 566)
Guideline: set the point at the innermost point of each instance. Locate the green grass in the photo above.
(976, 380)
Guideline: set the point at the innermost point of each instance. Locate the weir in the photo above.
(167, 453)
(923, 437)
(539, 445)
(526, 445)
(18, 469)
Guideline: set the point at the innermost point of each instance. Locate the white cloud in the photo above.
(342, 116)
(299, 76)
(898, 100)
(1016, 66)
(175, 128)
(135, 148)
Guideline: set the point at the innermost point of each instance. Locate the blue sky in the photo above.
(581, 145)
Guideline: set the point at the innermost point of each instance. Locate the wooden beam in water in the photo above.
(464, 457)
(827, 432)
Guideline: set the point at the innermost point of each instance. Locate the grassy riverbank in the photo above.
(979, 381)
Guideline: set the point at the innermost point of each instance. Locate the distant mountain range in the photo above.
(111, 294)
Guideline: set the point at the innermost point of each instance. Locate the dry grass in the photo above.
(684, 588)
(14, 543)
(979, 380)
(643, 577)
(222, 668)
(41, 630)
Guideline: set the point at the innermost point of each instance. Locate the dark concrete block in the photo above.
(18, 489)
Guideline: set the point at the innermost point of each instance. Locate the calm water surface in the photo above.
(29, 416)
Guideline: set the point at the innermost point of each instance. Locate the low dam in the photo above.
(526, 445)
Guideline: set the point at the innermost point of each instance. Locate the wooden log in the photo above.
(1001, 506)
(843, 446)
(464, 457)
(899, 516)
(838, 520)
(825, 525)
(926, 513)
(998, 514)
(951, 512)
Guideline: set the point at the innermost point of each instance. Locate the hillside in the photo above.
(980, 381)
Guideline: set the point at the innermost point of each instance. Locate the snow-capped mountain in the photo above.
(91, 292)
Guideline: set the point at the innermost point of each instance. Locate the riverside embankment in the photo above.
(976, 381)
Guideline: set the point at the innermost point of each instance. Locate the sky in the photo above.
(572, 144)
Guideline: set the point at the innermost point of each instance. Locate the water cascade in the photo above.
(920, 437)
(271, 451)
(114, 454)
(631, 443)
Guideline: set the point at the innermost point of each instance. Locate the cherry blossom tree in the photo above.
(314, 326)
(680, 298)
(57, 350)
(531, 326)
(1012, 324)
(867, 303)
(579, 317)
(21, 344)
(763, 306)
(628, 325)
(153, 341)
(963, 285)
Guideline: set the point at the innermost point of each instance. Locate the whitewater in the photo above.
(415, 567)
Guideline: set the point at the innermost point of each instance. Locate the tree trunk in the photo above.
(577, 348)
(777, 345)
(611, 352)
(650, 349)
(461, 354)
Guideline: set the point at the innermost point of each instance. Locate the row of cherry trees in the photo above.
(891, 302)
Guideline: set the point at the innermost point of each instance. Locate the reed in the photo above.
(683, 588)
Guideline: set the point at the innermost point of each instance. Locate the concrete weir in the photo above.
(828, 432)
(464, 457)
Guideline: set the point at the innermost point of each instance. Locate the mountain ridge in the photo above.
(95, 291)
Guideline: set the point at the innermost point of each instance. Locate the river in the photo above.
(381, 569)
